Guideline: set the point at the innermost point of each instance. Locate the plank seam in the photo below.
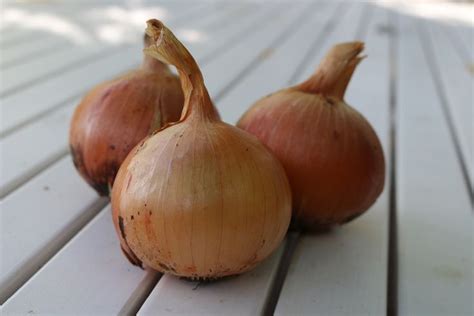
(40, 115)
(39, 259)
(141, 293)
(392, 273)
(42, 52)
(16, 39)
(37, 169)
(282, 271)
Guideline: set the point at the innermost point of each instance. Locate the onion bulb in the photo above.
(200, 198)
(331, 154)
(116, 115)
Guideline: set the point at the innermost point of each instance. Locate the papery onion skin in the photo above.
(116, 115)
(331, 154)
(198, 215)
(200, 199)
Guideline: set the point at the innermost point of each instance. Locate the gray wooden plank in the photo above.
(240, 295)
(455, 87)
(27, 152)
(48, 212)
(84, 278)
(33, 22)
(344, 272)
(22, 75)
(465, 32)
(435, 227)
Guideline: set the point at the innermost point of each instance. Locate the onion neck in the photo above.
(335, 71)
(154, 65)
(165, 47)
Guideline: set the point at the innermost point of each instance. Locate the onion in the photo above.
(200, 198)
(331, 154)
(116, 115)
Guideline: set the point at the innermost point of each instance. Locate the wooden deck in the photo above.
(411, 254)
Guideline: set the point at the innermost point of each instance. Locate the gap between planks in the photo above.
(392, 253)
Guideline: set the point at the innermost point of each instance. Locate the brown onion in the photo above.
(116, 115)
(200, 198)
(331, 154)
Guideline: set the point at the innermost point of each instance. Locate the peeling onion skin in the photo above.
(116, 115)
(330, 152)
(200, 199)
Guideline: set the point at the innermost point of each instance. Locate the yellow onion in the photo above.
(200, 198)
(116, 115)
(331, 154)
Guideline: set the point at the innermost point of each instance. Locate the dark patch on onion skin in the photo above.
(166, 268)
(128, 182)
(331, 101)
(207, 279)
(132, 258)
(76, 158)
(351, 217)
(121, 227)
(101, 188)
(129, 254)
(318, 227)
(307, 227)
(103, 180)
